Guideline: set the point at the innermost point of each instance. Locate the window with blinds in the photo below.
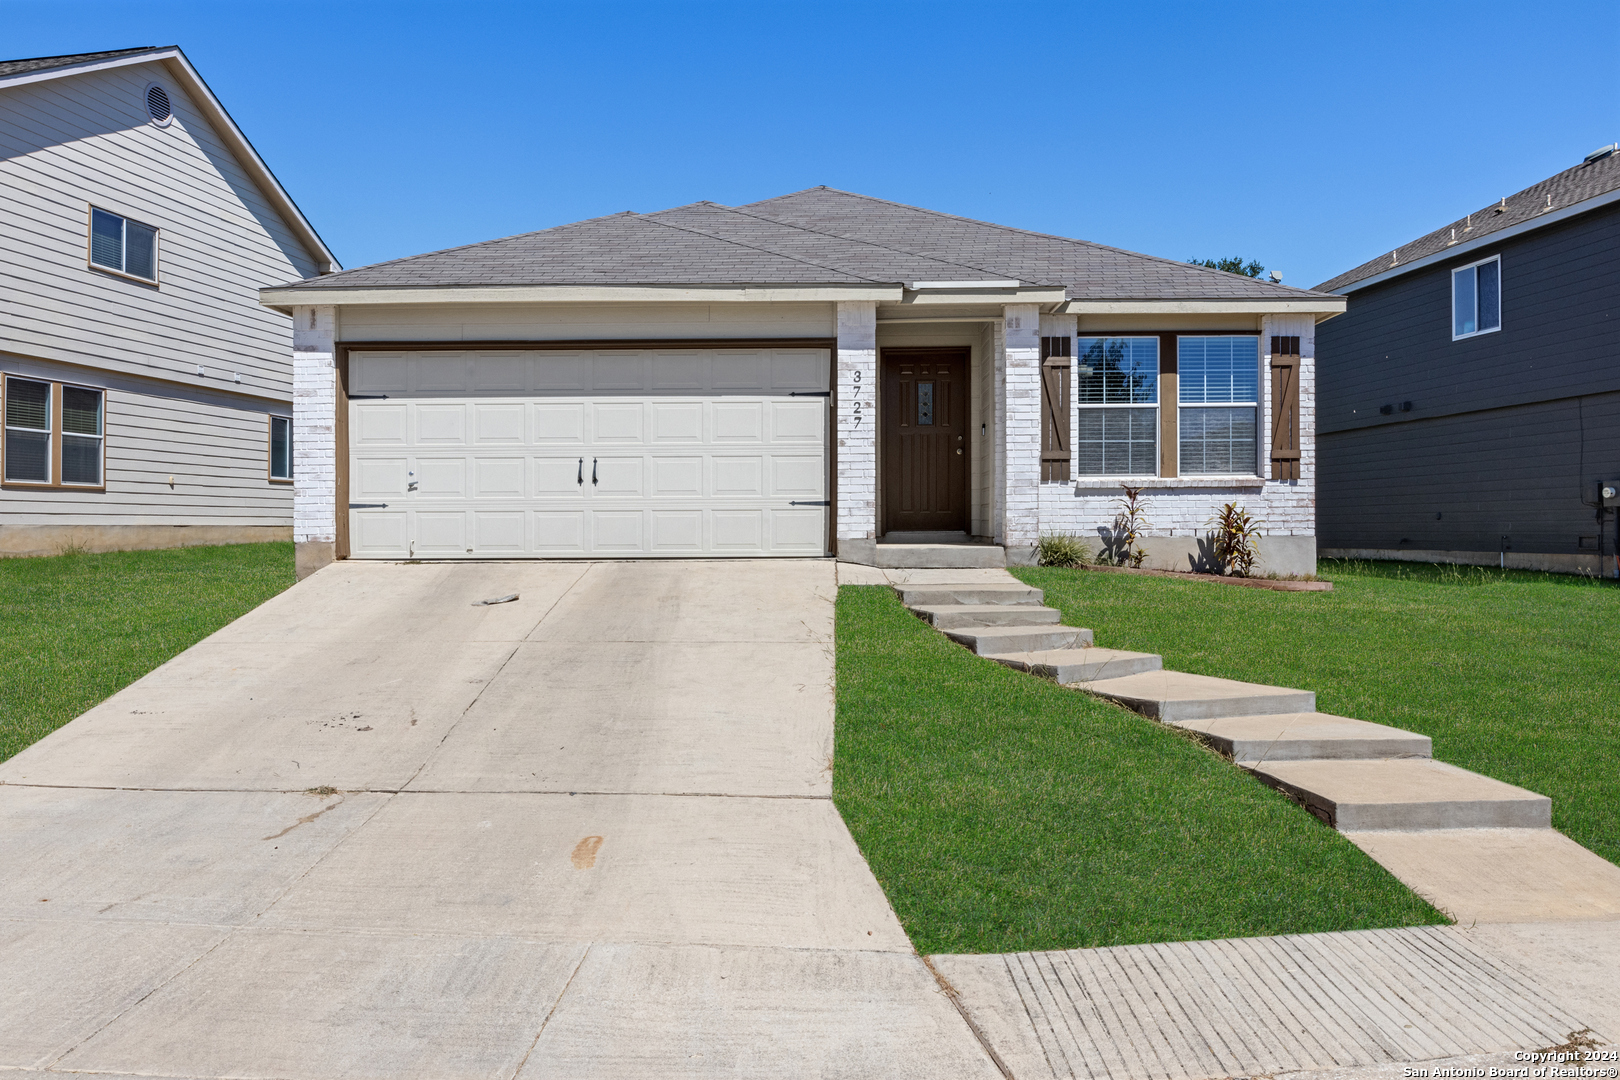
(128, 247)
(53, 434)
(1218, 403)
(1116, 388)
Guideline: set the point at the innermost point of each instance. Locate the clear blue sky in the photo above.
(1309, 136)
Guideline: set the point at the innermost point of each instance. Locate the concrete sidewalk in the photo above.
(373, 830)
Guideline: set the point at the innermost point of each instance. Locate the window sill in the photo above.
(1099, 483)
(110, 272)
(1475, 334)
(284, 482)
(23, 485)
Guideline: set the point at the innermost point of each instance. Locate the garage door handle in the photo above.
(593, 472)
(581, 472)
(809, 502)
(810, 393)
(367, 506)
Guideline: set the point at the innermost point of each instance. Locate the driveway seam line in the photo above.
(541, 621)
(555, 1005)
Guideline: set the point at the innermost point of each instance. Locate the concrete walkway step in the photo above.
(1359, 796)
(1307, 736)
(1176, 697)
(961, 616)
(970, 592)
(952, 556)
(999, 640)
(1068, 666)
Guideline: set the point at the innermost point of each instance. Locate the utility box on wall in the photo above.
(1609, 493)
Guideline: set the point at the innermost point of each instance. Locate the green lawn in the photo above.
(74, 629)
(1511, 674)
(1002, 812)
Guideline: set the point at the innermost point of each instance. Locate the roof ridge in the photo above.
(859, 240)
(89, 55)
(751, 247)
(1030, 232)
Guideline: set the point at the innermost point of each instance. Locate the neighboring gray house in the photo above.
(820, 373)
(1469, 402)
(146, 393)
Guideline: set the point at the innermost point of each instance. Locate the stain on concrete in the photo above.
(584, 856)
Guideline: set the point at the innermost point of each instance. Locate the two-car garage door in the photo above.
(590, 454)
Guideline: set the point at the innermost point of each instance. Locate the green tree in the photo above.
(1232, 266)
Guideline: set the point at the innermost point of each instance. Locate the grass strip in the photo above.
(77, 628)
(1511, 673)
(1002, 812)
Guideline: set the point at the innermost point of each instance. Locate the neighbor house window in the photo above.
(1476, 298)
(54, 434)
(117, 243)
(280, 448)
(1116, 385)
(1219, 401)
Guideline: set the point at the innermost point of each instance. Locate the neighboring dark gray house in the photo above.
(1468, 403)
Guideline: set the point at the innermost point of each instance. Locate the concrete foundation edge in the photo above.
(32, 540)
(310, 555)
(1550, 562)
(1284, 556)
(863, 552)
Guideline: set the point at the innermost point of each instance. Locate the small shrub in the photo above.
(1234, 536)
(1063, 549)
(1130, 524)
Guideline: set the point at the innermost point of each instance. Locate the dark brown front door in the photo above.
(925, 440)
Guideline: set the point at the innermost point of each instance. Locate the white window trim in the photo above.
(56, 433)
(1452, 310)
(50, 434)
(90, 239)
(1260, 423)
(1158, 399)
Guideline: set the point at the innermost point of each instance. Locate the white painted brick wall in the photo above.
(1286, 507)
(1021, 428)
(856, 426)
(314, 429)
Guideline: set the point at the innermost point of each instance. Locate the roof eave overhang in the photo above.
(1490, 239)
(285, 298)
(1324, 307)
(1026, 294)
(175, 62)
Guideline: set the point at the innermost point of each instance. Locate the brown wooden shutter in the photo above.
(1056, 365)
(1285, 408)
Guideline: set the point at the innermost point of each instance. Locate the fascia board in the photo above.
(285, 298)
(1327, 305)
(1488, 240)
(176, 64)
(1053, 295)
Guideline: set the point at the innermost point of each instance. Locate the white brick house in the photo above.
(812, 375)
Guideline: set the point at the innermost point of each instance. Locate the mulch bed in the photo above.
(1274, 584)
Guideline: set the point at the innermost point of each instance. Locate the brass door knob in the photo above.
(958, 449)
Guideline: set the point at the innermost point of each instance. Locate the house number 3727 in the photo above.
(857, 407)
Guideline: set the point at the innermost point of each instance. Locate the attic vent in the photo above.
(157, 105)
(1600, 153)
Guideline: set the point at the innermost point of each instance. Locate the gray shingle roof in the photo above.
(815, 237)
(1585, 181)
(45, 63)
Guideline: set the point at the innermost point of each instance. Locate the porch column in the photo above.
(856, 430)
(314, 438)
(1018, 448)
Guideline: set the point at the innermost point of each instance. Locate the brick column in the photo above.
(1018, 443)
(855, 427)
(314, 438)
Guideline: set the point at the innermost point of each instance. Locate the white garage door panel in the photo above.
(467, 455)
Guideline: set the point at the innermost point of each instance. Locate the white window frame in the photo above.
(270, 449)
(1257, 405)
(1473, 268)
(1079, 406)
(119, 271)
(49, 430)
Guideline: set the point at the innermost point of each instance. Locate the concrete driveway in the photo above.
(373, 830)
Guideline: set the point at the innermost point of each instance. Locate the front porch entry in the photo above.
(925, 447)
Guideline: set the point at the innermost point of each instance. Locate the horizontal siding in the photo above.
(85, 139)
(1461, 483)
(1560, 333)
(216, 447)
(542, 322)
